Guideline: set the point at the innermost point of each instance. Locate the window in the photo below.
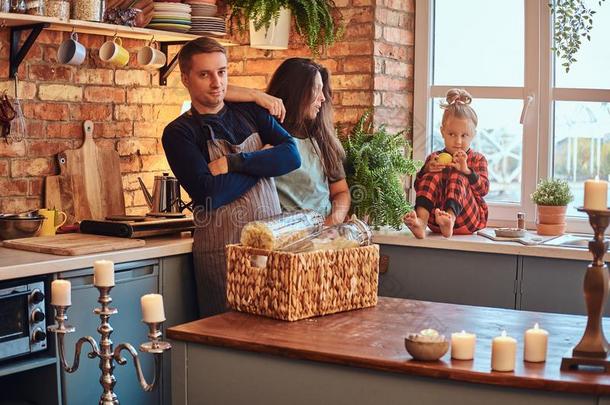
(535, 120)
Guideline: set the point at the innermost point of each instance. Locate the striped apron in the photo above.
(223, 226)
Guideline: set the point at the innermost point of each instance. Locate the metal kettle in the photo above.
(165, 198)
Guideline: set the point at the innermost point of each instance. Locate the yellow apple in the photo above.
(444, 158)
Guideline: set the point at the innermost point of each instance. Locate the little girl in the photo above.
(451, 185)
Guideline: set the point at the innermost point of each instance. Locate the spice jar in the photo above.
(88, 10)
(5, 6)
(58, 8)
(34, 7)
(352, 233)
(521, 220)
(280, 230)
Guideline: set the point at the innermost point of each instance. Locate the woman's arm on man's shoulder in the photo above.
(274, 105)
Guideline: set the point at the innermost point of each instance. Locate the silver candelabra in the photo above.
(106, 353)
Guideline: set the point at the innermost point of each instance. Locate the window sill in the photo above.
(476, 243)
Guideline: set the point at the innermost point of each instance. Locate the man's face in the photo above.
(207, 81)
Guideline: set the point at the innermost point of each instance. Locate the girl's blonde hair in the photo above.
(458, 106)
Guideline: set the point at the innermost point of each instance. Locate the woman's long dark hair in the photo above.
(293, 82)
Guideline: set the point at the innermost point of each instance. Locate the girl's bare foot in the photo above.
(415, 225)
(445, 221)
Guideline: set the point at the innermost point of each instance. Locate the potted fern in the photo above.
(317, 21)
(551, 198)
(375, 162)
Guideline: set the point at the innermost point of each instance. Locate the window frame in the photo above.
(538, 124)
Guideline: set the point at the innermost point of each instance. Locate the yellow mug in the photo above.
(50, 223)
(113, 52)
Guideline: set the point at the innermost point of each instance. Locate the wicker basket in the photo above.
(294, 286)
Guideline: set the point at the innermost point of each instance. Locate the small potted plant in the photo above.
(319, 22)
(375, 162)
(551, 198)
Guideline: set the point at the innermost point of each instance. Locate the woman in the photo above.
(303, 87)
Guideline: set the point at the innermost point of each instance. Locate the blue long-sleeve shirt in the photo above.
(185, 143)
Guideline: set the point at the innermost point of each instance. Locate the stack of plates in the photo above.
(208, 26)
(171, 17)
(199, 9)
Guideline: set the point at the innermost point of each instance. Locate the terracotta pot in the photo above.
(551, 220)
(548, 214)
(550, 229)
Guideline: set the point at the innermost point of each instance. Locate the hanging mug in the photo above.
(150, 57)
(71, 52)
(113, 52)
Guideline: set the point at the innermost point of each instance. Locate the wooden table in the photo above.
(358, 357)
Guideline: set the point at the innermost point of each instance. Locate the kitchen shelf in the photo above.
(19, 23)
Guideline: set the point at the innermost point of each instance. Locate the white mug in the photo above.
(151, 58)
(71, 51)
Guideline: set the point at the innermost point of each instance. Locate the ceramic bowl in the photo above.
(510, 232)
(426, 350)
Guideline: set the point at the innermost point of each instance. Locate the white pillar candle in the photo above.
(596, 194)
(536, 342)
(503, 351)
(61, 295)
(103, 273)
(462, 345)
(152, 308)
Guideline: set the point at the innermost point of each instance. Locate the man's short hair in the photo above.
(195, 47)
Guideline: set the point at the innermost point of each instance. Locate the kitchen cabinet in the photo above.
(132, 281)
(554, 285)
(180, 302)
(32, 386)
(450, 276)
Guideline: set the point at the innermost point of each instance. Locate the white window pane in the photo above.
(590, 71)
(500, 138)
(581, 145)
(478, 42)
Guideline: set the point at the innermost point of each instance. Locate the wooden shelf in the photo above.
(88, 27)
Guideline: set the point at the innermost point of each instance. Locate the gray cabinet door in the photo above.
(132, 281)
(554, 285)
(180, 300)
(450, 276)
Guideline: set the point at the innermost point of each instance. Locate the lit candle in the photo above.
(596, 194)
(503, 351)
(152, 308)
(462, 345)
(61, 294)
(103, 273)
(536, 341)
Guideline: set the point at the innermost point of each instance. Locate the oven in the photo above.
(22, 318)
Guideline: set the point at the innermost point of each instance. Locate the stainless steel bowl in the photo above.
(14, 226)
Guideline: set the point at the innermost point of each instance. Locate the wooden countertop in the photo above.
(20, 263)
(374, 338)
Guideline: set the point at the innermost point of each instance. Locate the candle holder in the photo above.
(592, 350)
(105, 352)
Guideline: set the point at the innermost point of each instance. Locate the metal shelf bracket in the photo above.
(18, 53)
(165, 71)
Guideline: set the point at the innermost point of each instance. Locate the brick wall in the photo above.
(371, 66)
(128, 107)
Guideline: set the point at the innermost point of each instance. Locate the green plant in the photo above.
(573, 22)
(552, 192)
(375, 161)
(319, 22)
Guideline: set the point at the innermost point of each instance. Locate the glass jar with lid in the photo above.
(58, 8)
(278, 231)
(88, 10)
(34, 7)
(352, 233)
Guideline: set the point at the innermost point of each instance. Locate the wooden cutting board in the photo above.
(89, 184)
(73, 244)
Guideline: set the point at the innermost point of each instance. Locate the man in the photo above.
(224, 155)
